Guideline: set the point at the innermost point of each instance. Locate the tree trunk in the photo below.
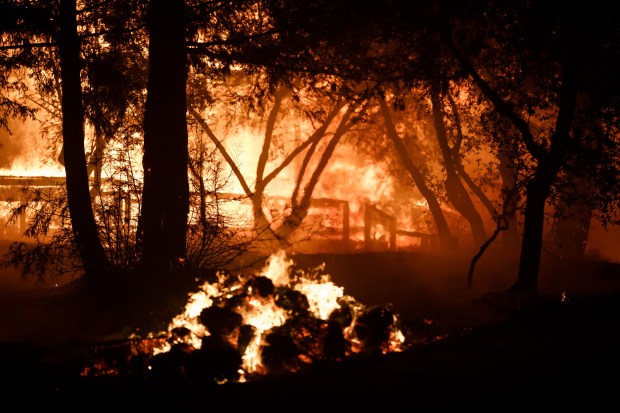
(537, 192)
(457, 194)
(262, 224)
(546, 173)
(446, 240)
(165, 199)
(83, 221)
(300, 206)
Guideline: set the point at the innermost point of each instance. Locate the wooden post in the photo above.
(346, 229)
(367, 225)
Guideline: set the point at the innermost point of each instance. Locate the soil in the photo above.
(475, 348)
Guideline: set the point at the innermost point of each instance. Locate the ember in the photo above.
(237, 327)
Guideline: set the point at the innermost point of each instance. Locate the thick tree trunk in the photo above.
(537, 192)
(165, 200)
(83, 221)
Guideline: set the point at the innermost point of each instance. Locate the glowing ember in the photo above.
(278, 321)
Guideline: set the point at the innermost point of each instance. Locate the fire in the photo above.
(322, 296)
(280, 320)
(262, 312)
(26, 153)
(350, 181)
(277, 269)
(356, 180)
(27, 169)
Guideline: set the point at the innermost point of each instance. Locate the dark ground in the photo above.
(562, 351)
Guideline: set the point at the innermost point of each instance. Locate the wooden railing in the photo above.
(374, 238)
(373, 217)
(12, 190)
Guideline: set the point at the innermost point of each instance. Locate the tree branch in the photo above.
(503, 107)
(223, 151)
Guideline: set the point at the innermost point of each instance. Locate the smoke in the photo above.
(603, 242)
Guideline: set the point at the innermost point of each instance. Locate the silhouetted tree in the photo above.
(78, 192)
(279, 232)
(163, 221)
(455, 189)
(61, 31)
(551, 71)
(446, 239)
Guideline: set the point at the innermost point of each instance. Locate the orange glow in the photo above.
(263, 313)
(24, 153)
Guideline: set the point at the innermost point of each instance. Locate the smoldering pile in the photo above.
(239, 327)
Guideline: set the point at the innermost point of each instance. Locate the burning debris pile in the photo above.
(236, 328)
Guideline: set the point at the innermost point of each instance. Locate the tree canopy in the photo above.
(536, 86)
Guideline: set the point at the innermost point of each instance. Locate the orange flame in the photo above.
(263, 313)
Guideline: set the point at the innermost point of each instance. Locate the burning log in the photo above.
(246, 334)
(221, 322)
(373, 327)
(309, 333)
(262, 285)
(269, 323)
(293, 301)
(335, 347)
(280, 354)
(343, 315)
